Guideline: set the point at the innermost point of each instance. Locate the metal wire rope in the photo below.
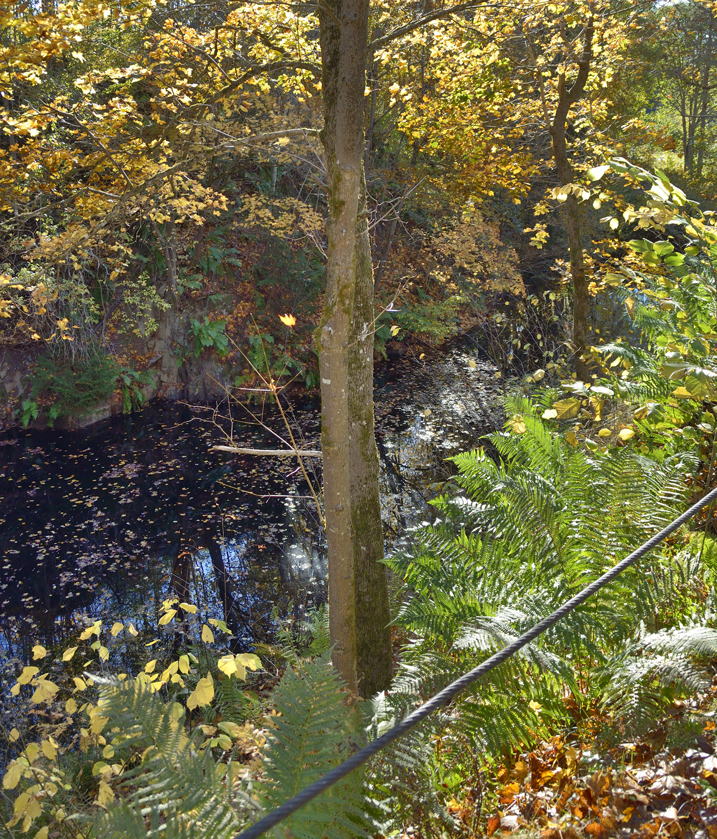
(444, 696)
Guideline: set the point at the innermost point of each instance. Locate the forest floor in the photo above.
(658, 785)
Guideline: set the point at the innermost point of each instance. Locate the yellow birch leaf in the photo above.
(132, 630)
(98, 723)
(250, 661)
(184, 664)
(42, 833)
(14, 735)
(188, 607)
(682, 393)
(44, 692)
(604, 432)
(230, 666)
(104, 653)
(203, 694)
(116, 629)
(150, 665)
(567, 408)
(91, 630)
(70, 706)
(49, 750)
(69, 652)
(571, 438)
(79, 683)
(165, 619)
(105, 795)
(38, 651)
(13, 775)
(207, 634)
(626, 434)
(27, 675)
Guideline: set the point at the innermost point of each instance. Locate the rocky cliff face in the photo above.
(174, 373)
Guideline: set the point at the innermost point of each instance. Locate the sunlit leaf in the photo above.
(203, 694)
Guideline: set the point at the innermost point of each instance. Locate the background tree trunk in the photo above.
(566, 98)
(358, 592)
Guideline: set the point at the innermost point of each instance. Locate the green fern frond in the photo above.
(315, 730)
(176, 791)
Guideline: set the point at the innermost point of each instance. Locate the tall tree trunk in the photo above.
(566, 98)
(358, 591)
(705, 96)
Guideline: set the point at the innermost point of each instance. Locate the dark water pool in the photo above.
(120, 515)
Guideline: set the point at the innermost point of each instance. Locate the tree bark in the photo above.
(566, 98)
(358, 591)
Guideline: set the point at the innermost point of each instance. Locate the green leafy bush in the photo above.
(209, 335)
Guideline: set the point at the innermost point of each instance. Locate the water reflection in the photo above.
(114, 519)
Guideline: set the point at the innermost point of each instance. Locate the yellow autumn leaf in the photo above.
(132, 631)
(70, 706)
(250, 661)
(165, 619)
(229, 665)
(150, 665)
(188, 607)
(105, 795)
(117, 627)
(184, 664)
(42, 833)
(567, 408)
(14, 735)
(203, 694)
(44, 692)
(207, 634)
(27, 675)
(626, 434)
(79, 683)
(288, 320)
(604, 432)
(38, 651)
(13, 775)
(682, 393)
(232, 729)
(571, 438)
(549, 413)
(69, 652)
(49, 749)
(91, 630)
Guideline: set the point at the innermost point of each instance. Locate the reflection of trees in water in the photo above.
(139, 507)
(81, 514)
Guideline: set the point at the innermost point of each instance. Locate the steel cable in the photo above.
(444, 696)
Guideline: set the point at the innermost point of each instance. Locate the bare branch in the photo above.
(268, 452)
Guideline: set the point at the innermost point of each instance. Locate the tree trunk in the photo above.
(705, 96)
(358, 592)
(566, 98)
